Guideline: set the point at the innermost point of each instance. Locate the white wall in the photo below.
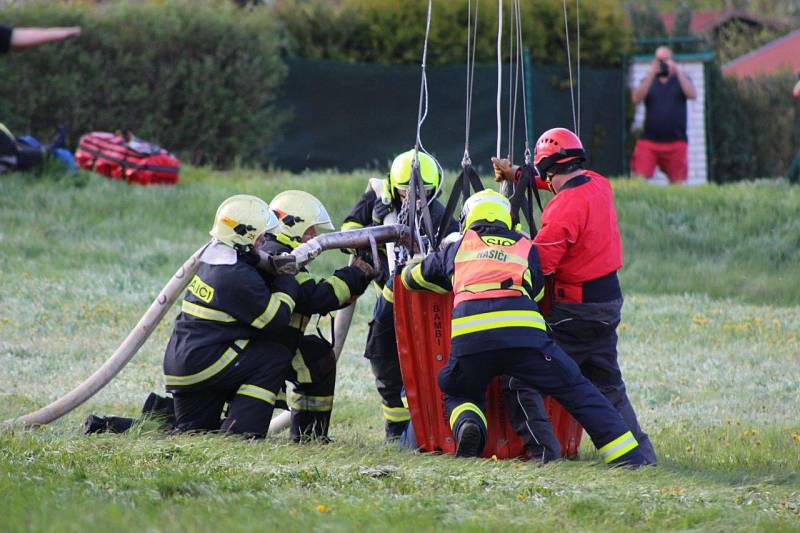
(695, 119)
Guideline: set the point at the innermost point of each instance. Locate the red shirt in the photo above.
(579, 239)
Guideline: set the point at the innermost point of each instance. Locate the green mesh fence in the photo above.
(349, 116)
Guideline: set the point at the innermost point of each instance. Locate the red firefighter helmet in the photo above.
(556, 146)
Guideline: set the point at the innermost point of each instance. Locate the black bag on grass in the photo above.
(19, 154)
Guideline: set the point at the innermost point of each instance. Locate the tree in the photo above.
(647, 23)
(683, 20)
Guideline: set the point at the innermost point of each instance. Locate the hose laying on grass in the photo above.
(177, 284)
(135, 339)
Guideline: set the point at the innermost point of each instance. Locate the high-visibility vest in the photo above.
(490, 268)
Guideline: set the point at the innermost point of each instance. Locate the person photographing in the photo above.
(663, 144)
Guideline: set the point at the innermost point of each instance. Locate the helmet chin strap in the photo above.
(549, 181)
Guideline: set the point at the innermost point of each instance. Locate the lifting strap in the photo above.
(523, 196)
(499, 74)
(576, 116)
(416, 204)
(467, 182)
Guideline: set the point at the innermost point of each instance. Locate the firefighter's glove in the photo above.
(368, 270)
(283, 264)
(503, 171)
(380, 211)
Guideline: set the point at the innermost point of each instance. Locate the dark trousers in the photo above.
(588, 334)
(526, 412)
(549, 370)
(381, 350)
(313, 372)
(250, 384)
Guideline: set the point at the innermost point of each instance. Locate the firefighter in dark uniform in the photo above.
(221, 350)
(580, 248)
(296, 216)
(497, 329)
(381, 198)
(300, 217)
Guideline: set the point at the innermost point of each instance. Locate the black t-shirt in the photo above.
(5, 39)
(665, 112)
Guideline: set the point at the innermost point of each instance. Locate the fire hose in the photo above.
(304, 253)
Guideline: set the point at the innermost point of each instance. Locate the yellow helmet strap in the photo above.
(287, 240)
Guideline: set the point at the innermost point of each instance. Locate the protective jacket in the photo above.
(581, 249)
(315, 295)
(579, 242)
(497, 281)
(225, 307)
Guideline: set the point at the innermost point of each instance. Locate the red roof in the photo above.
(782, 53)
(705, 21)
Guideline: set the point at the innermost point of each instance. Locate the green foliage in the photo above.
(645, 20)
(393, 31)
(751, 125)
(683, 20)
(198, 77)
(737, 38)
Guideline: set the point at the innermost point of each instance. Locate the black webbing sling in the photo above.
(464, 185)
(522, 198)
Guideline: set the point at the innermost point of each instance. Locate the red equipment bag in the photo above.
(131, 159)
(422, 322)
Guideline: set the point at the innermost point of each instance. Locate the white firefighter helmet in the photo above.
(297, 211)
(242, 219)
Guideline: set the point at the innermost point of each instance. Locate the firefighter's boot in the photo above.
(160, 407)
(310, 426)
(470, 439)
(106, 424)
(394, 430)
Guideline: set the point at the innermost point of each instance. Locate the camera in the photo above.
(664, 70)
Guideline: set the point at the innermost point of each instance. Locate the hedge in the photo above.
(197, 76)
(392, 31)
(751, 125)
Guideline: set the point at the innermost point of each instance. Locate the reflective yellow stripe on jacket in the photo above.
(208, 372)
(340, 289)
(206, 313)
(497, 320)
(412, 280)
(273, 306)
(478, 255)
(388, 294)
(351, 224)
(482, 287)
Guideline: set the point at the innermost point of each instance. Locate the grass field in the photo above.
(709, 346)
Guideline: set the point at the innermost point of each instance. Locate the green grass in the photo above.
(709, 346)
